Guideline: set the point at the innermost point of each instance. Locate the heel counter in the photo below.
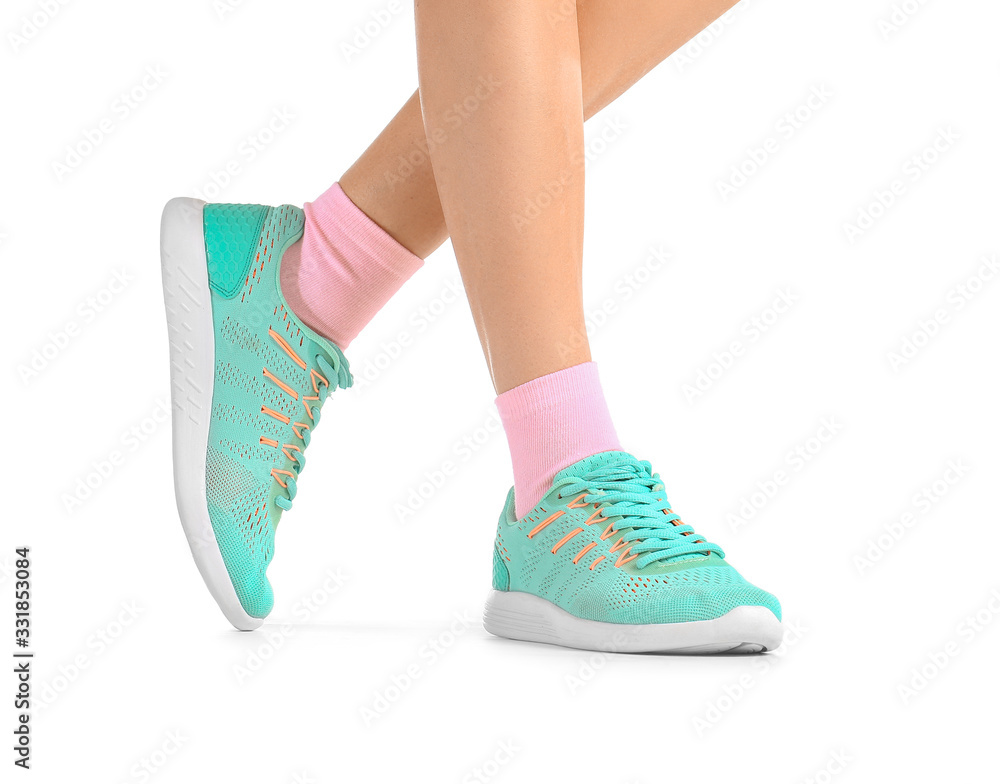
(501, 577)
(501, 573)
(232, 233)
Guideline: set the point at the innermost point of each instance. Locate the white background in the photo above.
(130, 646)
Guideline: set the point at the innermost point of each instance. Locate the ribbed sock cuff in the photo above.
(551, 423)
(345, 270)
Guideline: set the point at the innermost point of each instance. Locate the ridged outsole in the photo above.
(523, 616)
(188, 303)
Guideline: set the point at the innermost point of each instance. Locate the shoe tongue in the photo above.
(592, 463)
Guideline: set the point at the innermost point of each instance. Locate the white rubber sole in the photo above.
(524, 616)
(192, 373)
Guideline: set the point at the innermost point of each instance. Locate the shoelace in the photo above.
(631, 491)
(338, 376)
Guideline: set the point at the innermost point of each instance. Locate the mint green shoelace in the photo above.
(631, 491)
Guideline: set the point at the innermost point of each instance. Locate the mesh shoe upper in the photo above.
(601, 553)
(272, 375)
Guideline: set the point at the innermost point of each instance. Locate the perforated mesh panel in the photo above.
(700, 589)
(237, 505)
(244, 243)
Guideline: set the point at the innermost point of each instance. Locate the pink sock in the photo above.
(551, 423)
(344, 270)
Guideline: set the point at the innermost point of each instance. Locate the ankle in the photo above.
(344, 270)
(551, 423)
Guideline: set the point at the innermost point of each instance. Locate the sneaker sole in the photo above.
(523, 616)
(188, 301)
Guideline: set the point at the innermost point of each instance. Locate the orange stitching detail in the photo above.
(596, 562)
(276, 471)
(268, 441)
(623, 560)
(309, 410)
(608, 532)
(275, 414)
(284, 387)
(575, 503)
(565, 539)
(288, 349)
(584, 551)
(619, 545)
(285, 449)
(545, 522)
(296, 427)
(313, 375)
(595, 518)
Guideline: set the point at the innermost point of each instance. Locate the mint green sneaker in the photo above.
(247, 383)
(603, 563)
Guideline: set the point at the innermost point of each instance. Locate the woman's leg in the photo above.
(620, 42)
(588, 545)
(522, 145)
(368, 233)
(510, 181)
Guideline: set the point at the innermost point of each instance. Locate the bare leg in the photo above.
(522, 273)
(620, 41)
(510, 182)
